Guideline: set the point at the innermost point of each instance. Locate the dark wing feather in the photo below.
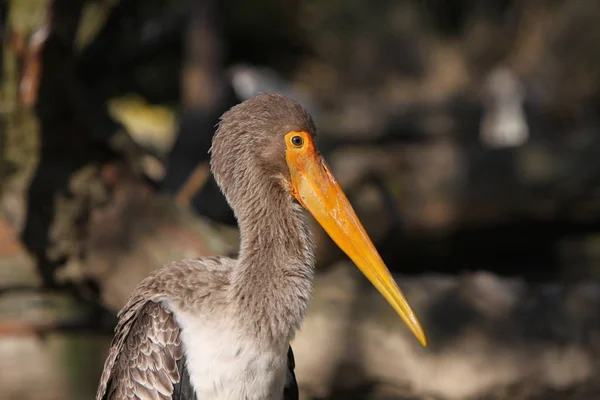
(290, 392)
(183, 389)
(143, 361)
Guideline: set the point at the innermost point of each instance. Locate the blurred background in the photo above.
(466, 134)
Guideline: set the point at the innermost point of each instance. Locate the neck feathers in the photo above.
(274, 273)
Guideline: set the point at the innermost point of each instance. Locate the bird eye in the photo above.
(297, 141)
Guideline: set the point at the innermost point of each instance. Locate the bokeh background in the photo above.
(465, 132)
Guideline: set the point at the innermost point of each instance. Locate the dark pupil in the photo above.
(297, 141)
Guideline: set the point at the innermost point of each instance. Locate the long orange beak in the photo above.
(316, 189)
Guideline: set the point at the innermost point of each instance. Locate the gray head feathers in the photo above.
(248, 148)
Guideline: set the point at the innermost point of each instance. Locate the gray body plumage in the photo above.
(226, 324)
(148, 361)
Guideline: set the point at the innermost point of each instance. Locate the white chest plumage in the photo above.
(224, 364)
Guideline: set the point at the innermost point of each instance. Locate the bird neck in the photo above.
(274, 272)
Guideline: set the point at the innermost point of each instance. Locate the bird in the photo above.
(218, 327)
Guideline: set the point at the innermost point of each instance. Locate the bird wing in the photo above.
(143, 361)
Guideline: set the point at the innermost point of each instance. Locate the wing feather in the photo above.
(143, 360)
(290, 391)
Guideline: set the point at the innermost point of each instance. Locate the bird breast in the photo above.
(226, 363)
